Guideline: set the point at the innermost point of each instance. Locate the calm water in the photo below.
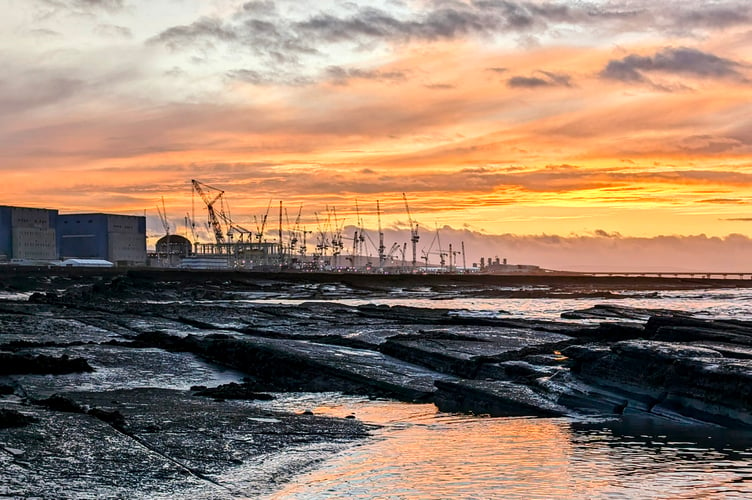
(423, 454)
(717, 303)
(420, 453)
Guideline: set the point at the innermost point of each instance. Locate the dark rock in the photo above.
(465, 355)
(495, 398)
(114, 417)
(695, 382)
(234, 390)
(6, 389)
(13, 418)
(57, 402)
(16, 364)
(610, 311)
(684, 329)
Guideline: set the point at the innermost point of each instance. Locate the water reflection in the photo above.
(718, 304)
(423, 454)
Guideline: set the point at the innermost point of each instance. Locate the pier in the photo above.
(673, 274)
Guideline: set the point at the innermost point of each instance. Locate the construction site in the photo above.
(278, 241)
(210, 238)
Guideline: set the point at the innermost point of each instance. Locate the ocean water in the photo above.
(421, 453)
(726, 303)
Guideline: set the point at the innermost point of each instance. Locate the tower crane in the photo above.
(413, 229)
(210, 195)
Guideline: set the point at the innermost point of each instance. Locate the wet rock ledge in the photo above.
(122, 386)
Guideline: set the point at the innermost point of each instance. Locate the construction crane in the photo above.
(382, 249)
(336, 232)
(210, 195)
(190, 225)
(163, 217)
(322, 241)
(413, 230)
(358, 238)
(232, 228)
(295, 233)
(260, 227)
(442, 255)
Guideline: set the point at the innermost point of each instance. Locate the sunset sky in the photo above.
(617, 123)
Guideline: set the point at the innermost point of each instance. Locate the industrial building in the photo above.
(28, 234)
(120, 239)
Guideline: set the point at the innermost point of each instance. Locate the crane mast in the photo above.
(414, 238)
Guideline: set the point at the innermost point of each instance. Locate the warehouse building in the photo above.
(120, 239)
(28, 234)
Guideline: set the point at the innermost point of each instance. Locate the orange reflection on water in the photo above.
(424, 454)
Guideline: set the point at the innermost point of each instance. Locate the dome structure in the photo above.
(174, 244)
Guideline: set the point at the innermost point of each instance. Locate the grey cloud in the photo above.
(205, 29)
(259, 36)
(342, 76)
(447, 20)
(260, 7)
(36, 90)
(527, 82)
(267, 78)
(682, 60)
(110, 30)
(547, 79)
(258, 22)
(716, 16)
(261, 28)
(44, 33)
(111, 5)
(86, 5)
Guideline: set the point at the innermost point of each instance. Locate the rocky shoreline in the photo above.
(148, 385)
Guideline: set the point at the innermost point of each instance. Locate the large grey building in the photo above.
(120, 239)
(28, 233)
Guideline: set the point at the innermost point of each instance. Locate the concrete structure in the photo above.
(28, 234)
(116, 238)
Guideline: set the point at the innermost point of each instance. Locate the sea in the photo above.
(417, 452)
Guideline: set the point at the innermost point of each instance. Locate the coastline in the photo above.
(171, 369)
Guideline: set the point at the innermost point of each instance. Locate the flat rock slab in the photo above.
(495, 398)
(16, 329)
(172, 445)
(464, 354)
(118, 367)
(368, 368)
